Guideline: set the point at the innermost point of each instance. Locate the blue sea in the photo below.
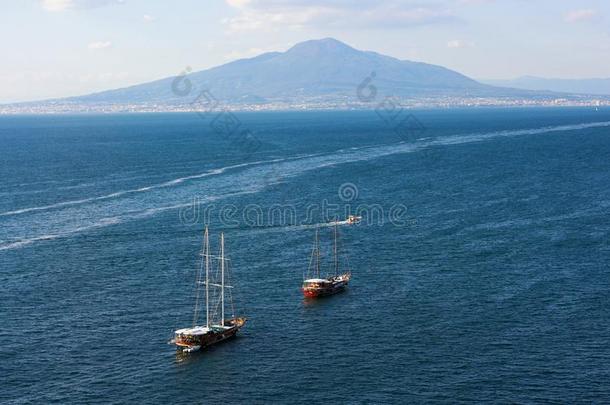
(480, 268)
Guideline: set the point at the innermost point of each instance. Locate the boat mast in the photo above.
(207, 278)
(317, 245)
(335, 251)
(197, 288)
(222, 279)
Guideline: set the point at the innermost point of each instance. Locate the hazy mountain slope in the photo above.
(317, 68)
(317, 73)
(574, 86)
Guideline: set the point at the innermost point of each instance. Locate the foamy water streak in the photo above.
(169, 183)
(21, 243)
(457, 139)
(74, 217)
(128, 216)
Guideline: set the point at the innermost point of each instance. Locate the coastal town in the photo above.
(346, 103)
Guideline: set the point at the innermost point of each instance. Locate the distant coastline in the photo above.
(454, 102)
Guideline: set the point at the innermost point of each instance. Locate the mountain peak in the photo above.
(319, 46)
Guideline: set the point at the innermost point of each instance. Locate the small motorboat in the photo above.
(353, 219)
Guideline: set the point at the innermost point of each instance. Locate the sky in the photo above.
(57, 48)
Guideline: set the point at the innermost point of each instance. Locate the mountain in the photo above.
(574, 86)
(311, 69)
(317, 73)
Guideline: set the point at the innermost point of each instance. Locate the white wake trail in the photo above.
(75, 218)
(116, 194)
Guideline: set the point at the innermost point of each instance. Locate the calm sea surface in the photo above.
(480, 271)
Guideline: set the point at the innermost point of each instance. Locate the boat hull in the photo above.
(190, 343)
(324, 291)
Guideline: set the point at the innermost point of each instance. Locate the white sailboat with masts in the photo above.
(217, 328)
(314, 285)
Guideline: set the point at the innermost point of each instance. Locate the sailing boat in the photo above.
(317, 286)
(215, 330)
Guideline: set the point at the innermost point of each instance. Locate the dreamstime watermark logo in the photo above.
(221, 120)
(405, 124)
(348, 192)
(181, 85)
(282, 215)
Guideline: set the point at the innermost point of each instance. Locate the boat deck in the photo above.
(201, 330)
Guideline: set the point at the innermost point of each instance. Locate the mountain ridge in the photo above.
(311, 68)
(314, 73)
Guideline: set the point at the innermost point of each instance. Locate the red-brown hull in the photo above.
(323, 292)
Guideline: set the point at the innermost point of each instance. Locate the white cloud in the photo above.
(99, 45)
(475, 2)
(56, 5)
(581, 15)
(61, 5)
(295, 14)
(148, 18)
(238, 3)
(458, 43)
